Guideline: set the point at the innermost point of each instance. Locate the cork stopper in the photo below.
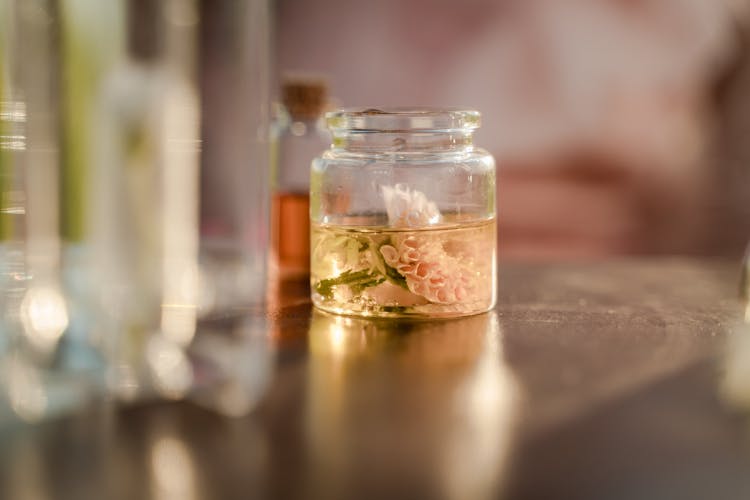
(304, 99)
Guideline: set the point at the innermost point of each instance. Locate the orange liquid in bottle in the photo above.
(290, 214)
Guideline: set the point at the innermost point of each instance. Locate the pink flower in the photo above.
(442, 271)
(430, 271)
(409, 207)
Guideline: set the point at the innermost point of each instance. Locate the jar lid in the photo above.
(404, 120)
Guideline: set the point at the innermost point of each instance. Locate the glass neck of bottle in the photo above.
(444, 141)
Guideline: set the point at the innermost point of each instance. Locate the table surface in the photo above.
(589, 380)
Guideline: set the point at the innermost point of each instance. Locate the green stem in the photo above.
(357, 280)
(390, 272)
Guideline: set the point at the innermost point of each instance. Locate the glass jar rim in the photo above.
(402, 120)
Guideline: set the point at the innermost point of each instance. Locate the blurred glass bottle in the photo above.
(235, 72)
(12, 203)
(143, 219)
(50, 366)
(91, 40)
(158, 272)
(299, 135)
(231, 354)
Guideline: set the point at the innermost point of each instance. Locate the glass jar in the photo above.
(402, 211)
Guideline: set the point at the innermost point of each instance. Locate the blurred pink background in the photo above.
(618, 125)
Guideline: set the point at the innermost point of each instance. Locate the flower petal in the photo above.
(390, 254)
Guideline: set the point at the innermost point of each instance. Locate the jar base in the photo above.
(424, 312)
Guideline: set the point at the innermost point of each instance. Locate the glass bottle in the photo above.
(143, 221)
(403, 215)
(235, 60)
(53, 363)
(171, 151)
(298, 135)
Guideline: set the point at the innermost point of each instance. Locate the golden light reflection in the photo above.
(337, 340)
(172, 470)
(342, 337)
(171, 370)
(735, 386)
(26, 392)
(44, 316)
(332, 342)
(486, 405)
(452, 376)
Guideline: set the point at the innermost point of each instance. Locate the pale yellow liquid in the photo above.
(349, 275)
